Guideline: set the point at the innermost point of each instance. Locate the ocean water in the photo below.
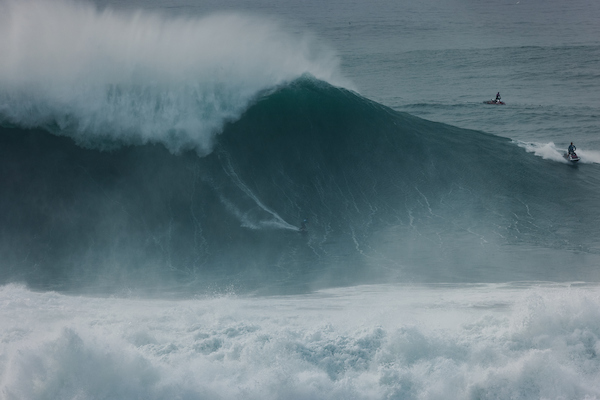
(158, 158)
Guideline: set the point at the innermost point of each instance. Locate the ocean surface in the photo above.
(299, 199)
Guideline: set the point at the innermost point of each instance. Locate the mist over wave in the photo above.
(105, 77)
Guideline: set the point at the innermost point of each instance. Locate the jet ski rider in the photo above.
(572, 148)
(498, 97)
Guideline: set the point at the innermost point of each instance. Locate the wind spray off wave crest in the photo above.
(106, 77)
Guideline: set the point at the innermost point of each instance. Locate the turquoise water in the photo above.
(158, 158)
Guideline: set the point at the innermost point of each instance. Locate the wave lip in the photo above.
(139, 77)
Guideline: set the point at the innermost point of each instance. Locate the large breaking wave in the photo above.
(144, 151)
(102, 76)
(386, 195)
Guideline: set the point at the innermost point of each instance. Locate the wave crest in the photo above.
(102, 76)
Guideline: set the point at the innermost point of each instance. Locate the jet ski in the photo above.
(494, 101)
(572, 157)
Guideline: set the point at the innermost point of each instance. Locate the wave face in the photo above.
(386, 195)
(101, 76)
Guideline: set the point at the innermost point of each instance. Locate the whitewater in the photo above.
(136, 77)
(436, 342)
(158, 158)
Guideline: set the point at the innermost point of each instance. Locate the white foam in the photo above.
(589, 156)
(273, 222)
(141, 77)
(547, 151)
(428, 342)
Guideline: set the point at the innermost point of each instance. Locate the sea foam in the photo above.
(550, 151)
(103, 76)
(518, 341)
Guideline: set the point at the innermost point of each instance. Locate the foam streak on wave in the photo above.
(275, 222)
(103, 76)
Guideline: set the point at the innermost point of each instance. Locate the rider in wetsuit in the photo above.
(572, 148)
